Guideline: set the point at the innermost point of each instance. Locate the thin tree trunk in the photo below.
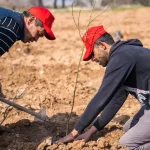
(40, 3)
(63, 3)
(55, 4)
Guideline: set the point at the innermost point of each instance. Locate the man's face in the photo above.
(100, 55)
(31, 31)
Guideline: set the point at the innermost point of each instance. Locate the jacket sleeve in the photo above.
(118, 69)
(111, 109)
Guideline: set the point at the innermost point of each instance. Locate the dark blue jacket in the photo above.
(128, 71)
(18, 17)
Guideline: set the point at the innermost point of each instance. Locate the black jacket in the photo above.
(128, 71)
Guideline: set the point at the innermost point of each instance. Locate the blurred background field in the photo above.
(99, 4)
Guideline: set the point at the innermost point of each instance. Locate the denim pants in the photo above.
(137, 128)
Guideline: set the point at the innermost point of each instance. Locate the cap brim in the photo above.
(49, 34)
(88, 52)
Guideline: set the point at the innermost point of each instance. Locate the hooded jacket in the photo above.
(127, 71)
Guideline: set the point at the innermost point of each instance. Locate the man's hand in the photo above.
(73, 135)
(68, 138)
(87, 135)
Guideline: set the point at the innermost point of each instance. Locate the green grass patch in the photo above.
(120, 8)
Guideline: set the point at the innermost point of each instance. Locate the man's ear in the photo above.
(102, 45)
(31, 20)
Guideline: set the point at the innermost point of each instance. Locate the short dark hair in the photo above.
(107, 38)
(37, 21)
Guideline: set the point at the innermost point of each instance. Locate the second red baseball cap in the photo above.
(46, 17)
(89, 39)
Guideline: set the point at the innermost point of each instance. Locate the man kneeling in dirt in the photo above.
(28, 26)
(127, 72)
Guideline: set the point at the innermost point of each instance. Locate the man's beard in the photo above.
(102, 59)
(103, 63)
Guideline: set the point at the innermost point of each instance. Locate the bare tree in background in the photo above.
(36, 2)
(144, 2)
(83, 3)
(40, 3)
(63, 3)
(55, 4)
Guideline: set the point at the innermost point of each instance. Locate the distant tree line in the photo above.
(40, 3)
(144, 2)
(56, 6)
(83, 3)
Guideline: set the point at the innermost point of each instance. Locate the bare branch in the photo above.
(74, 92)
(18, 95)
(78, 27)
(100, 14)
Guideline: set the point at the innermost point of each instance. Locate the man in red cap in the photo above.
(127, 72)
(28, 26)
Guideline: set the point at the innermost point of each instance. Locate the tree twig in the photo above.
(7, 110)
(76, 80)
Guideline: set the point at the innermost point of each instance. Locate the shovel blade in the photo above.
(42, 113)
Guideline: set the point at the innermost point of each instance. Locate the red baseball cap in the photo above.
(89, 39)
(46, 17)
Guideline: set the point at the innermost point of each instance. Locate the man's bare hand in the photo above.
(73, 135)
(68, 138)
(87, 135)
